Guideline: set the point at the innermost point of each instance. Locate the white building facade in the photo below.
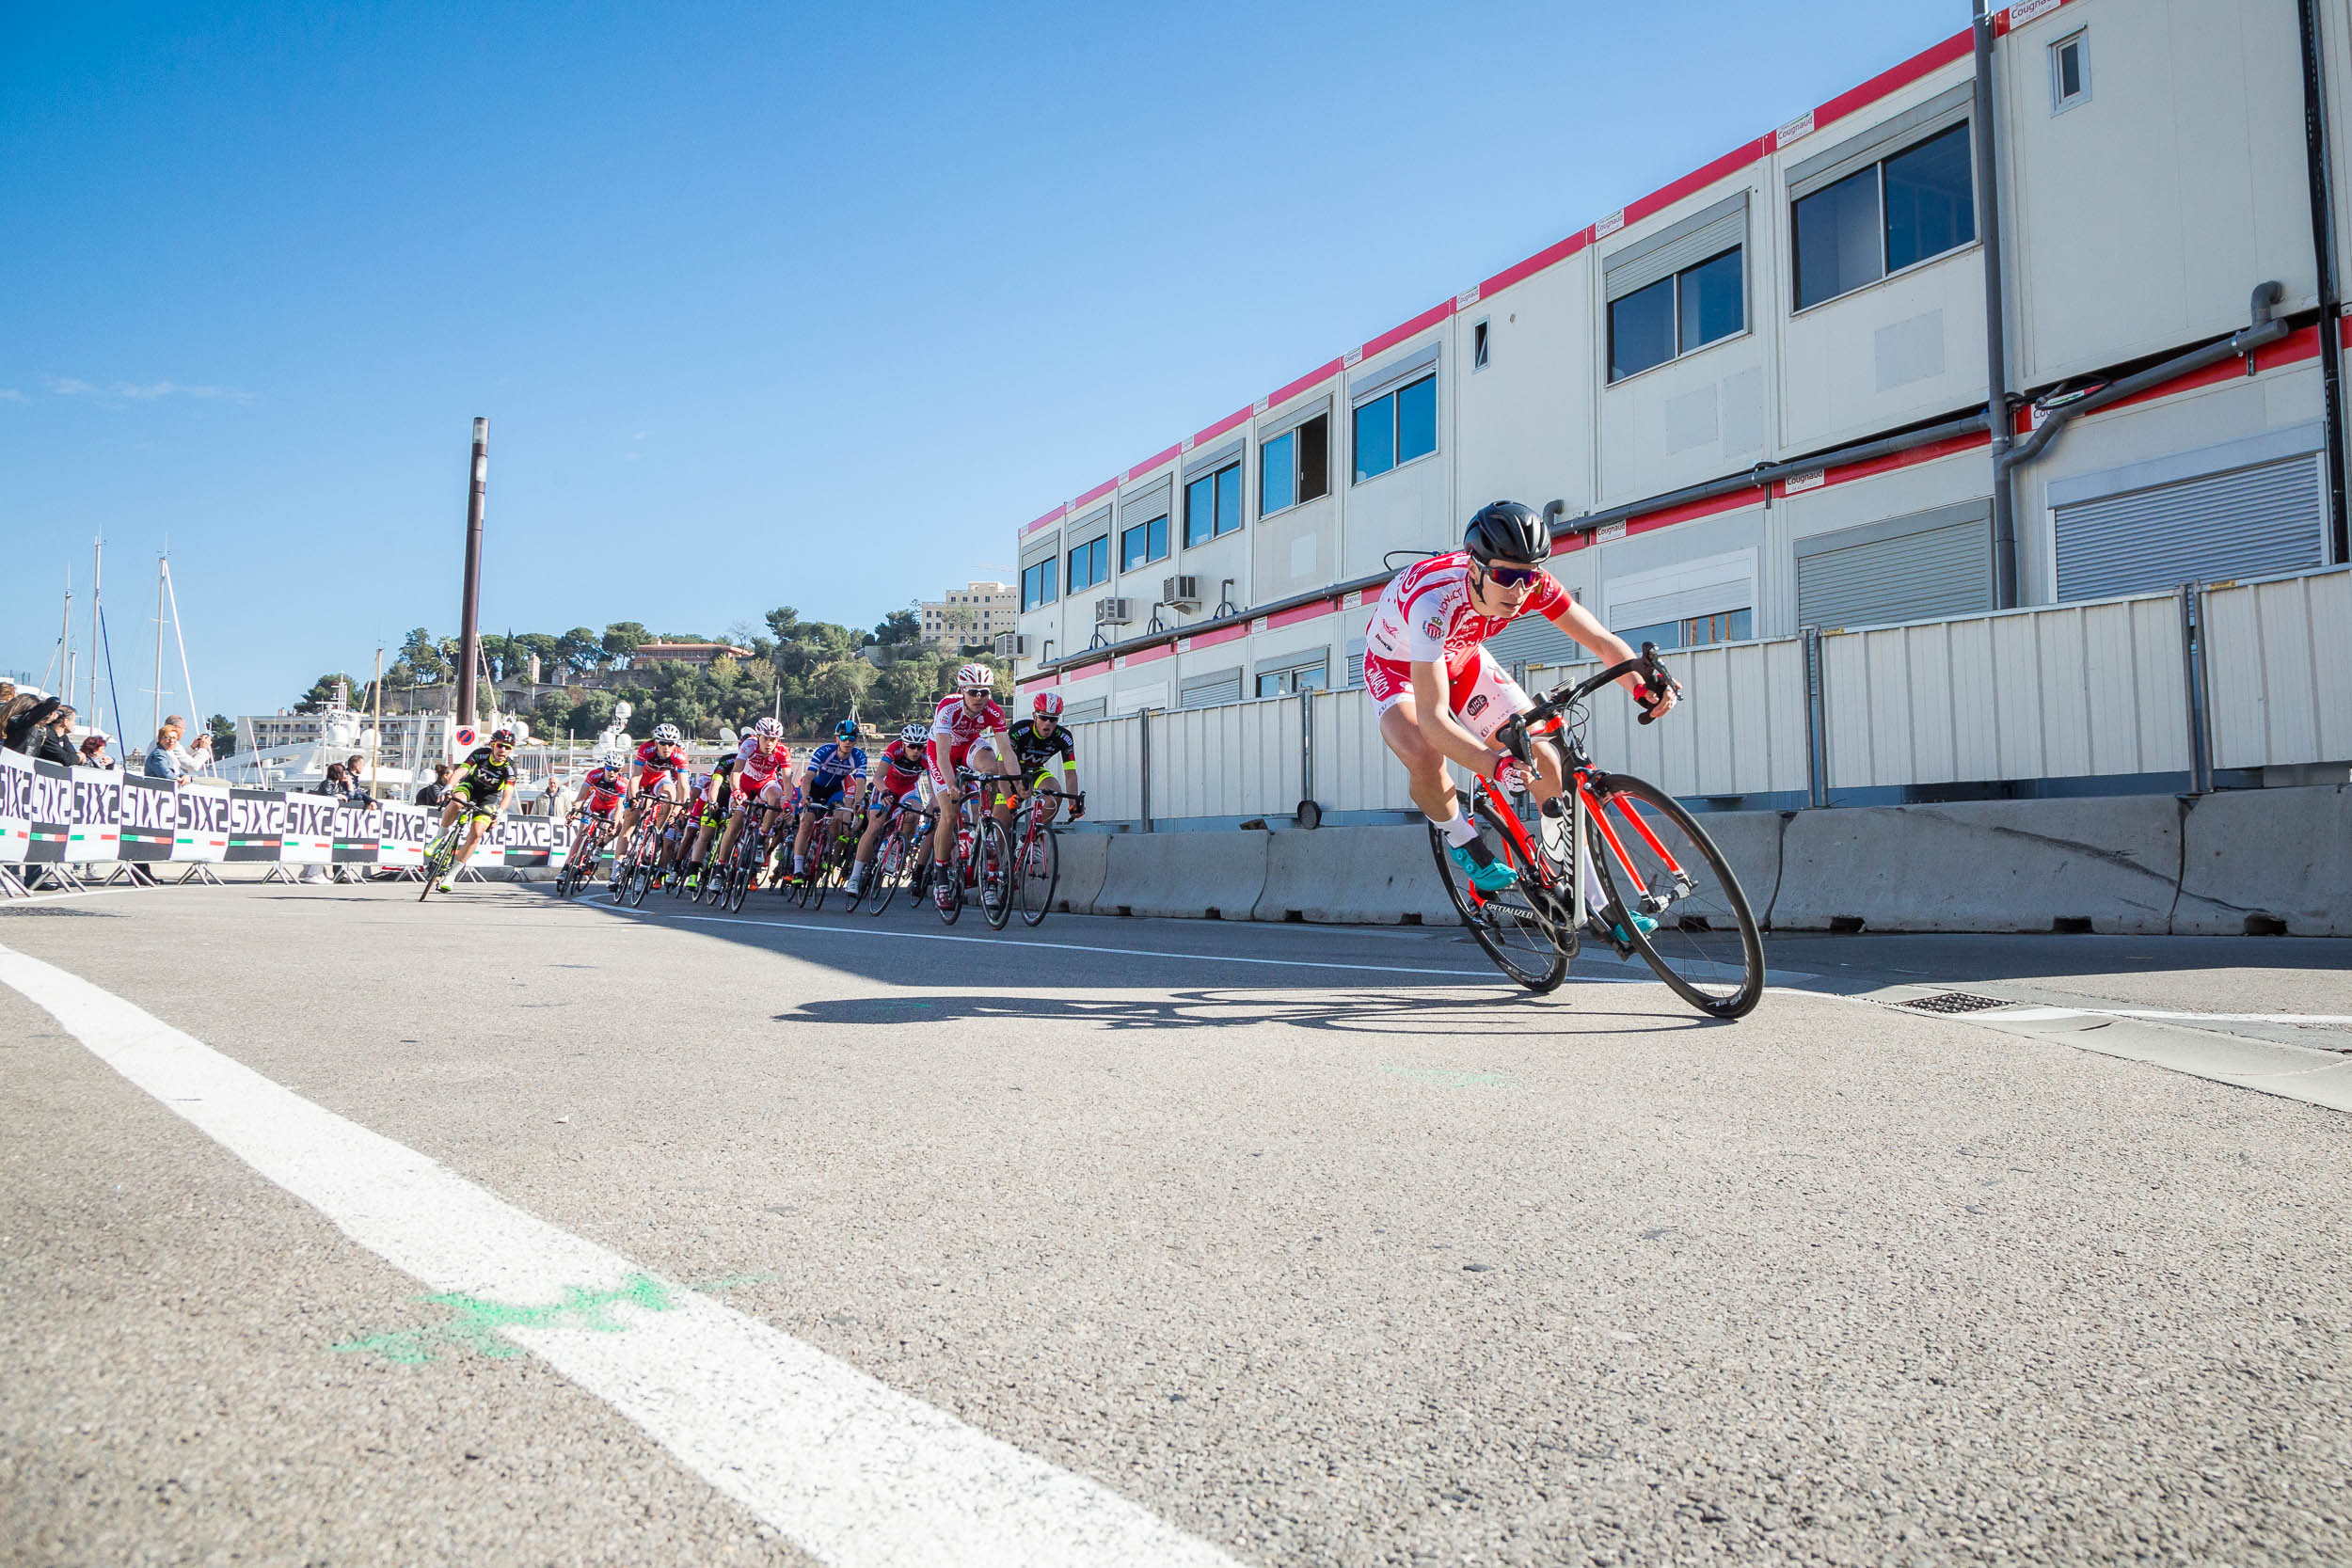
(1759, 395)
(972, 616)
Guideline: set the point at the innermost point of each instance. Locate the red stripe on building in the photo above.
(1396, 335)
(1292, 617)
(1714, 506)
(1102, 489)
(1958, 47)
(1231, 421)
(1151, 463)
(1312, 378)
(1223, 634)
(1547, 257)
(1148, 656)
(1698, 179)
(1048, 520)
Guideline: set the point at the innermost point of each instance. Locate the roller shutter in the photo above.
(1209, 690)
(2249, 522)
(1921, 568)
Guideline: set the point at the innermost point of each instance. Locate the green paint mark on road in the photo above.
(1445, 1078)
(480, 1325)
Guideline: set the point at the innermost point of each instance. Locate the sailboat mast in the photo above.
(187, 682)
(97, 576)
(155, 719)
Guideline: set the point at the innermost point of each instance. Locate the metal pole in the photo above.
(65, 637)
(1815, 737)
(469, 612)
(1143, 764)
(1996, 414)
(375, 737)
(2324, 251)
(155, 717)
(2193, 686)
(187, 681)
(97, 574)
(1307, 747)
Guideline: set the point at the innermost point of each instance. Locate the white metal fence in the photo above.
(2099, 689)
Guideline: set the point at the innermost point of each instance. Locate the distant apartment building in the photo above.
(685, 653)
(969, 618)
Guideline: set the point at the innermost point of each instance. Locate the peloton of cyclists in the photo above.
(1440, 696)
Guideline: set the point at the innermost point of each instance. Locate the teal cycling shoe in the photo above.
(1642, 923)
(1494, 877)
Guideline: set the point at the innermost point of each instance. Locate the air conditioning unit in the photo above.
(1013, 645)
(1114, 613)
(1181, 593)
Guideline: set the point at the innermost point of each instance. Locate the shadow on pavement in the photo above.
(1346, 1010)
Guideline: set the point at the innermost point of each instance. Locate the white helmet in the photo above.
(767, 728)
(666, 734)
(915, 735)
(614, 760)
(976, 675)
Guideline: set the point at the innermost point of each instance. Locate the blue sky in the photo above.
(770, 304)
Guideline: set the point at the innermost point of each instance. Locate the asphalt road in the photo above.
(1316, 1246)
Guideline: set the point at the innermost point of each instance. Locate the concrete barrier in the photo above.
(1355, 876)
(1085, 857)
(1750, 840)
(2266, 859)
(1983, 865)
(1183, 873)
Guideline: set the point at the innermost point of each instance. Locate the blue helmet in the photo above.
(846, 730)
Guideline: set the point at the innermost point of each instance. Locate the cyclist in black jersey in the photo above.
(1041, 744)
(485, 782)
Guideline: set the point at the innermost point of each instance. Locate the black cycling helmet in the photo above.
(1506, 530)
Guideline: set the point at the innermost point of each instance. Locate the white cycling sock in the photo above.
(1459, 830)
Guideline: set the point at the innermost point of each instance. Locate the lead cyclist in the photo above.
(1440, 694)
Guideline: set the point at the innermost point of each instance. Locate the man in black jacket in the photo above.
(39, 733)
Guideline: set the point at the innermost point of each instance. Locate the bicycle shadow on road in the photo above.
(1349, 1011)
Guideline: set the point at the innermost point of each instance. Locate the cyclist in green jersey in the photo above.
(484, 782)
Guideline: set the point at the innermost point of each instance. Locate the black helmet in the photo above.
(1506, 530)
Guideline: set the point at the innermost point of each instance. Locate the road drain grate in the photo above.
(1953, 1002)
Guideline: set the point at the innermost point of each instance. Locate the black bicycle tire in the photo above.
(1751, 936)
(890, 865)
(994, 851)
(1050, 842)
(1541, 982)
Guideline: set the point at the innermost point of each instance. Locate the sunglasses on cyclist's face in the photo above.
(976, 693)
(1514, 576)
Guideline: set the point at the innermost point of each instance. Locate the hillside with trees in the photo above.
(809, 674)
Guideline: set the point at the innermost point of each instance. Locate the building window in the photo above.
(1090, 564)
(2070, 74)
(1143, 543)
(1478, 348)
(1696, 631)
(1036, 584)
(1303, 677)
(1677, 315)
(1397, 428)
(1917, 204)
(1295, 467)
(1212, 505)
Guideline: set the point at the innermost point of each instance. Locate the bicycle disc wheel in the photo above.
(1514, 927)
(1653, 857)
(1040, 870)
(995, 868)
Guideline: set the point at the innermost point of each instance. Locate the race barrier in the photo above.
(80, 818)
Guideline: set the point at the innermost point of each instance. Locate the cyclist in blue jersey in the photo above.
(832, 785)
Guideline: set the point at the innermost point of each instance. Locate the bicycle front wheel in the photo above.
(994, 848)
(1517, 927)
(1655, 861)
(1040, 870)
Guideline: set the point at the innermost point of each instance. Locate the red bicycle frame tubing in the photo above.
(1609, 835)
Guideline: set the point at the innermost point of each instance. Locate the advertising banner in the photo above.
(50, 813)
(16, 806)
(309, 837)
(201, 823)
(149, 818)
(403, 833)
(257, 824)
(520, 840)
(357, 831)
(94, 828)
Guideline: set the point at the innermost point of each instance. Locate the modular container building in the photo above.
(1759, 396)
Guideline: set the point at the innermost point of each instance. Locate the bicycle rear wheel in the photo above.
(890, 864)
(1039, 871)
(1654, 859)
(1518, 926)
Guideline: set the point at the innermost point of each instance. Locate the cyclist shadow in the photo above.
(1360, 1012)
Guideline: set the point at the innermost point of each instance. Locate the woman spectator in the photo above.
(163, 758)
(94, 752)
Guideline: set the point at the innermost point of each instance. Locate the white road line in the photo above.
(2031, 1013)
(852, 1471)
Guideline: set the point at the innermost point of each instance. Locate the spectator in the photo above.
(200, 755)
(27, 716)
(164, 757)
(49, 739)
(437, 791)
(94, 752)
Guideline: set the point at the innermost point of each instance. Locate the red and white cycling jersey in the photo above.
(899, 768)
(656, 763)
(602, 789)
(1425, 613)
(954, 728)
(755, 770)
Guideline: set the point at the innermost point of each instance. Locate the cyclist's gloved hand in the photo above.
(1511, 775)
(1077, 807)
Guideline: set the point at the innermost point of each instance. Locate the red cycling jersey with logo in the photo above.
(954, 728)
(899, 769)
(755, 770)
(602, 789)
(656, 761)
(1427, 614)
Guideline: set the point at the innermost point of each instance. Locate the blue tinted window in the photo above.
(1228, 498)
(1036, 585)
(1090, 563)
(1278, 474)
(1642, 329)
(1930, 206)
(1201, 511)
(1145, 542)
(1375, 437)
(1416, 419)
(1714, 300)
(1838, 239)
